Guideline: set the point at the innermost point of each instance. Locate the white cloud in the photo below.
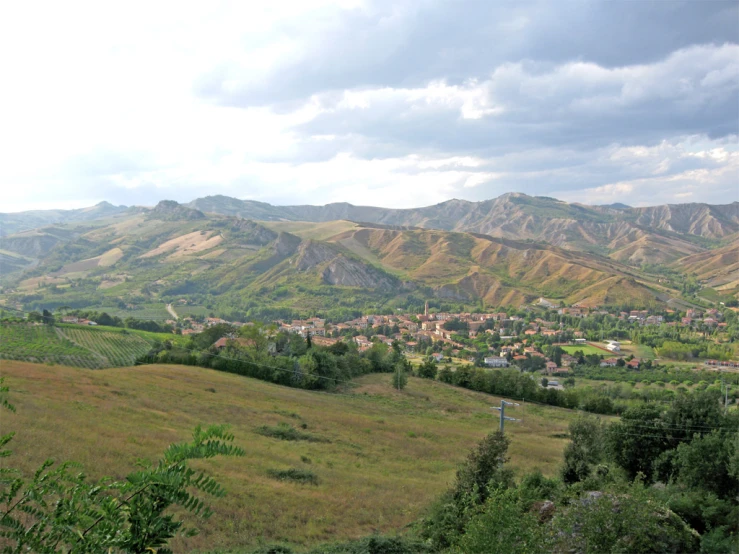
(105, 102)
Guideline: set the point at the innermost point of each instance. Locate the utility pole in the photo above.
(725, 389)
(503, 417)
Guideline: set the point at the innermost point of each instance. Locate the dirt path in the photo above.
(171, 311)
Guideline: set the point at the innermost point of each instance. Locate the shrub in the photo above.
(294, 474)
(285, 432)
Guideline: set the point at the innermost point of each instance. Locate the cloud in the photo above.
(370, 101)
(528, 104)
(402, 44)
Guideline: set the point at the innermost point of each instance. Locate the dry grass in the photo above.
(311, 230)
(390, 454)
(191, 243)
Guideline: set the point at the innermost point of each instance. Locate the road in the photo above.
(171, 311)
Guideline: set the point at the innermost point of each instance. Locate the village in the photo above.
(519, 338)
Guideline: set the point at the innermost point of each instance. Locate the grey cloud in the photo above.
(692, 91)
(409, 43)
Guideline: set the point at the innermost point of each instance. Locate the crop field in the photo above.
(41, 343)
(318, 467)
(118, 349)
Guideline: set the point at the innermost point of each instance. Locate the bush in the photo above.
(294, 474)
(286, 432)
(482, 472)
(502, 527)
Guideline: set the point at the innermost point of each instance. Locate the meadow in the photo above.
(586, 350)
(376, 458)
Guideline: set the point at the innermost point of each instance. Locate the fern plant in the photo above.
(59, 510)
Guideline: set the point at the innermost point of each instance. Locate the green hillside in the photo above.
(382, 458)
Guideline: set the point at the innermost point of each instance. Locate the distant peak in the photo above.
(169, 209)
(167, 205)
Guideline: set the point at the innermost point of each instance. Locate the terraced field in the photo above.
(41, 343)
(118, 348)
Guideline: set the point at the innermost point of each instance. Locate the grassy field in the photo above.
(380, 456)
(586, 350)
(638, 350)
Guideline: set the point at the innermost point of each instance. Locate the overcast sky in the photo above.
(396, 103)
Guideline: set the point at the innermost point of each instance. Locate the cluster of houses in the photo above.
(417, 332)
(77, 320)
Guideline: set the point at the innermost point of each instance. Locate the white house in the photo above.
(496, 361)
(613, 346)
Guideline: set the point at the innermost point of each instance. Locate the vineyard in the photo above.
(41, 343)
(118, 348)
(73, 345)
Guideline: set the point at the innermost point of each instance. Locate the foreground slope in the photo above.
(390, 454)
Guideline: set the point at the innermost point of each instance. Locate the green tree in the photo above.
(428, 368)
(584, 450)
(446, 375)
(400, 378)
(705, 463)
(637, 440)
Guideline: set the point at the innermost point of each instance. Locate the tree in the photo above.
(544, 382)
(428, 369)
(584, 450)
(400, 378)
(446, 375)
(704, 463)
(483, 470)
(478, 478)
(631, 447)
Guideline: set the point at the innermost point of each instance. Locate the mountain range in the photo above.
(508, 250)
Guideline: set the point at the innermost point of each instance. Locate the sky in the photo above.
(386, 103)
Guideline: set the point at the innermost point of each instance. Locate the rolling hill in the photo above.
(666, 232)
(11, 223)
(175, 251)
